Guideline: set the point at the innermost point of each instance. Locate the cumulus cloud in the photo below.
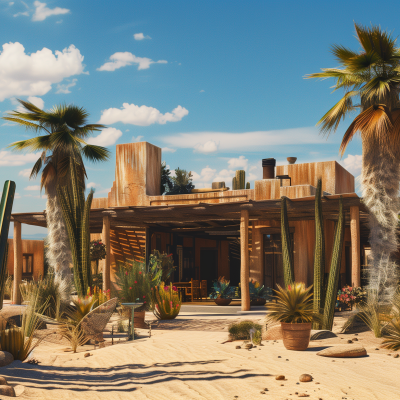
(238, 163)
(207, 147)
(140, 115)
(353, 164)
(11, 159)
(168, 150)
(202, 91)
(64, 87)
(23, 74)
(122, 59)
(227, 141)
(26, 173)
(136, 139)
(32, 187)
(107, 137)
(92, 185)
(140, 36)
(42, 12)
(205, 177)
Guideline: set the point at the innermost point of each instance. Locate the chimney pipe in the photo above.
(268, 165)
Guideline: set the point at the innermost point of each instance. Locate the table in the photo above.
(131, 335)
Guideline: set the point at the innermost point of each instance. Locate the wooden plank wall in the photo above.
(128, 245)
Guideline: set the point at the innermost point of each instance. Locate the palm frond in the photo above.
(343, 54)
(95, 153)
(42, 143)
(49, 175)
(36, 168)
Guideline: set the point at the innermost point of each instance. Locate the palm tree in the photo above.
(64, 129)
(370, 80)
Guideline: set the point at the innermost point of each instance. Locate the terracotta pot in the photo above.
(258, 302)
(222, 302)
(296, 336)
(138, 320)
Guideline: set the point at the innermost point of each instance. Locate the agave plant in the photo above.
(293, 305)
(80, 307)
(167, 301)
(222, 289)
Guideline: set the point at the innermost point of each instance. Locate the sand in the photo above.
(187, 359)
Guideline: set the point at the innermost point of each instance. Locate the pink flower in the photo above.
(144, 302)
(174, 288)
(126, 273)
(166, 288)
(140, 272)
(144, 297)
(130, 288)
(135, 281)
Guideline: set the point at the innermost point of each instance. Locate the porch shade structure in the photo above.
(212, 219)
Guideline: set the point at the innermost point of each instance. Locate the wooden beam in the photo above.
(355, 246)
(244, 259)
(17, 238)
(107, 263)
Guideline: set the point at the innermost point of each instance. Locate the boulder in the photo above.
(321, 334)
(5, 358)
(273, 333)
(3, 381)
(343, 351)
(6, 390)
(305, 378)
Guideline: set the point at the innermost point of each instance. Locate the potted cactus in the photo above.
(258, 294)
(222, 292)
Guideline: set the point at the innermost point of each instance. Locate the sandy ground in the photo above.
(187, 359)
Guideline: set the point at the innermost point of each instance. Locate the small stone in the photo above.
(279, 357)
(333, 360)
(349, 341)
(317, 383)
(296, 392)
(248, 346)
(86, 355)
(266, 389)
(396, 356)
(356, 334)
(262, 392)
(6, 390)
(287, 360)
(3, 381)
(6, 358)
(280, 377)
(282, 384)
(304, 395)
(389, 354)
(238, 347)
(305, 378)
(376, 349)
(355, 339)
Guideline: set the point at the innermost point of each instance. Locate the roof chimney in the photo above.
(268, 165)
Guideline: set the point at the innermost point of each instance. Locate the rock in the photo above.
(266, 389)
(279, 357)
(354, 339)
(343, 351)
(262, 392)
(6, 390)
(376, 349)
(248, 346)
(86, 355)
(3, 381)
(5, 358)
(305, 378)
(304, 395)
(238, 347)
(280, 377)
(273, 333)
(321, 334)
(396, 356)
(349, 341)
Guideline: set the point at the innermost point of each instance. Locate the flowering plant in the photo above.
(98, 295)
(222, 289)
(350, 295)
(97, 250)
(167, 301)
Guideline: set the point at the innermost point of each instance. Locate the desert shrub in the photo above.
(392, 335)
(167, 301)
(74, 334)
(241, 330)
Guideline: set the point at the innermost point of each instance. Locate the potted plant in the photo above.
(222, 292)
(258, 294)
(167, 301)
(134, 286)
(294, 310)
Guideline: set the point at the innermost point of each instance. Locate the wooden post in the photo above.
(147, 245)
(17, 263)
(244, 259)
(355, 246)
(107, 262)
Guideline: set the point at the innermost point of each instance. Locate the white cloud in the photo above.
(107, 137)
(42, 12)
(26, 173)
(13, 159)
(33, 187)
(250, 141)
(92, 185)
(122, 59)
(202, 91)
(238, 163)
(24, 13)
(207, 147)
(140, 115)
(64, 87)
(168, 150)
(353, 164)
(17, 196)
(23, 74)
(11, 3)
(136, 139)
(37, 101)
(140, 36)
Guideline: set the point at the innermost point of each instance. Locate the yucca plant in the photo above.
(294, 304)
(167, 301)
(74, 334)
(79, 308)
(392, 335)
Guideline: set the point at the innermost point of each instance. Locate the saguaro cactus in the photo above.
(331, 292)
(319, 254)
(7, 200)
(288, 268)
(240, 179)
(248, 185)
(76, 214)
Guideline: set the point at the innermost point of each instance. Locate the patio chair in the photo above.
(194, 290)
(203, 289)
(94, 323)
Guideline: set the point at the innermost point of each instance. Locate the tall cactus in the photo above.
(6, 204)
(248, 185)
(76, 215)
(331, 292)
(319, 254)
(234, 184)
(288, 268)
(240, 179)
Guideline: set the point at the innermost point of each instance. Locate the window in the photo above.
(27, 264)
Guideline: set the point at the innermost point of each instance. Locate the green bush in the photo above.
(241, 330)
(167, 301)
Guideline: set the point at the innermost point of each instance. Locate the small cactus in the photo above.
(248, 185)
(287, 255)
(240, 179)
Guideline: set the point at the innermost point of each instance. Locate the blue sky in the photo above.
(217, 84)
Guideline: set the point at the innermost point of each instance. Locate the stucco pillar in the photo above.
(107, 262)
(244, 259)
(355, 246)
(17, 239)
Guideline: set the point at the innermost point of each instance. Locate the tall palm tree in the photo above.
(63, 131)
(370, 79)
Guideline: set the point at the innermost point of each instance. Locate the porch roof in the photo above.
(210, 217)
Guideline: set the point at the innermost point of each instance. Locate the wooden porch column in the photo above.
(17, 263)
(107, 262)
(244, 259)
(147, 245)
(355, 246)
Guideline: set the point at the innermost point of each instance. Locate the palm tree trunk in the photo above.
(380, 181)
(59, 251)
